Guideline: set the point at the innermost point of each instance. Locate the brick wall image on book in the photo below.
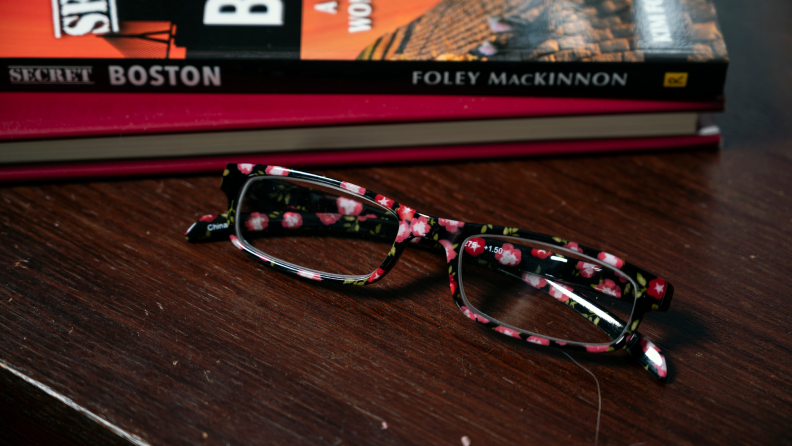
(557, 31)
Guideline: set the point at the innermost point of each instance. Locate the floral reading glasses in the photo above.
(532, 287)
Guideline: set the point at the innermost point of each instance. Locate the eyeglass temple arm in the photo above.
(212, 228)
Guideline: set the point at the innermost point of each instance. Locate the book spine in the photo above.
(671, 80)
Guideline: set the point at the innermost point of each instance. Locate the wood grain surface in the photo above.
(103, 302)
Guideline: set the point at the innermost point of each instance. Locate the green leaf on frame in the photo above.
(627, 288)
(641, 279)
(377, 229)
(483, 229)
(596, 321)
(559, 240)
(392, 251)
(288, 197)
(436, 237)
(450, 269)
(350, 218)
(347, 225)
(634, 325)
(226, 172)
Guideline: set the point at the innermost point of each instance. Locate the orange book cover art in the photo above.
(409, 30)
(342, 29)
(28, 30)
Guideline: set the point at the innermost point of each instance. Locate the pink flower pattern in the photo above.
(208, 217)
(587, 270)
(236, 242)
(449, 250)
(404, 231)
(466, 311)
(309, 275)
(347, 206)
(573, 247)
(384, 201)
(597, 348)
(452, 283)
(538, 340)
(245, 168)
(656, 288)
(292, 220)
(507, 331)
(475, 246)
(541, 253)
(353, 188)
(328, 219)
(535, 280)
(276, 170)
(376, 275)
(451, 225)
(609, 287)
(257, 222)
(420, 227)
(510, 256)
(611, 260)
(405, 213)
(556, 290)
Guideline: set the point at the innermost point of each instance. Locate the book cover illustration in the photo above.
(407, 30)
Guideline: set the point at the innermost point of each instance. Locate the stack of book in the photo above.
(114, 87)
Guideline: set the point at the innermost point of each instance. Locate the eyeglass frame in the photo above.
(238, 176)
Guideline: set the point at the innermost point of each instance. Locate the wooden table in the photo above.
(147, 339)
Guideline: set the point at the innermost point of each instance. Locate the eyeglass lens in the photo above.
(315, 227)
(544, 289)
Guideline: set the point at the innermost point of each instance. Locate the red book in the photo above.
(75, 135)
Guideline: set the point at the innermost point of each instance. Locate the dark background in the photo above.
(102, 301)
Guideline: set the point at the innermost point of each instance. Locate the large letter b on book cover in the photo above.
(243, 12)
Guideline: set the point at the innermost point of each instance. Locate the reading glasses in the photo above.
(529, 286)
